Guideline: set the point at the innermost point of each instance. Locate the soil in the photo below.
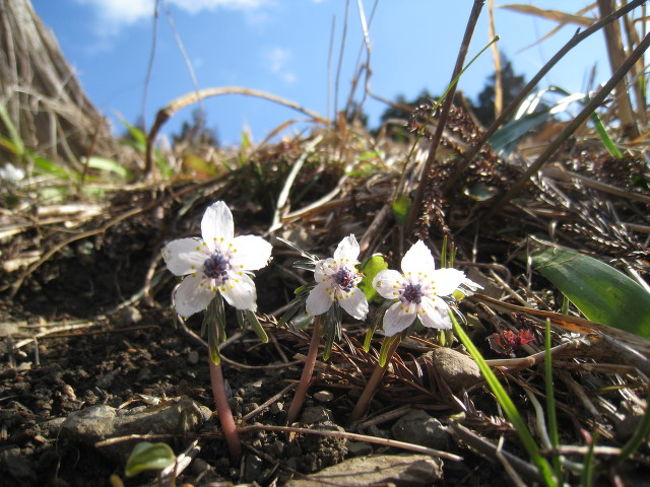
(93, 325)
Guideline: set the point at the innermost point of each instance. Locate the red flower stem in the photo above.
(225, 413)
(363, 402)
(307, 372)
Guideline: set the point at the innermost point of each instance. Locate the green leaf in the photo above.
(45, 166)
(109, 165)
(401, 208)
(149, 456)
(600, 292)
(16, 140)
(369, 270)
(506, 404)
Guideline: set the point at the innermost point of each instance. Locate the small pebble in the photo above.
(323, 396)
(193, 357)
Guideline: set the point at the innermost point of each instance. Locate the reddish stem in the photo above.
(307, 371)
(225, 413)
(363, 402)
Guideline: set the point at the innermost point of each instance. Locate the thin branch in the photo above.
(444, 113)
(512, 106)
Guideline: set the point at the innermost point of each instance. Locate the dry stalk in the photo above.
(469, 156)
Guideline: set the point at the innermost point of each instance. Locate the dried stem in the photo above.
(444, 113)
(597, 99)
(307, 371)
(512, 106)
(225, 413)
(363, 402)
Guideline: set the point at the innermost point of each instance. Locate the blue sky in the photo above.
(281, 46)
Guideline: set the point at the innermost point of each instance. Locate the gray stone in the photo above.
(97, 423)
(420, 428)
(398, 470)
(458, 370)
(19, 466)
(358, 448)
(253, 467)
(193, 357)
(323, 396)
(315, 414)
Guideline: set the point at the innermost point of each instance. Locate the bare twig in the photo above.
(589, 108)
(512, 106)
(167, 112)
(416, 207)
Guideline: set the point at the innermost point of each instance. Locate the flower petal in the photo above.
(446, 280)
(319, 299)
(239, 291)
(434, 313)
(355, 303)
(217, 225)
(192, 295)
(397, 318)
(249, 253)
(418, 259)
(323, 269)
(388, 282)
(185, 255)
(347, 249)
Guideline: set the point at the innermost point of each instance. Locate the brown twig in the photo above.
(444, 114)
(167, 112)
(571, 127)
(307, 372)
(354, 437)
(512, 106)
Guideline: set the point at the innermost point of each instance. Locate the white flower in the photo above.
(337, 280)
(418, 291)
(11, 173)
(219, 262)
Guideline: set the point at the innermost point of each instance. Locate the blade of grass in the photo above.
(551, 411)
(589, 464)
(506, 404)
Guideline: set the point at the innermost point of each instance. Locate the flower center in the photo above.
(216, 266)
(345, 279)
(412, 293)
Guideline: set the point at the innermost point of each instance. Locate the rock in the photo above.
(96, 423)
(19, 466)
(358, 448)
(105, 381)
(130, 316)
(420, 428)
(253, 467)
(458, 370)
(323, 396)
(398, 470)
(315, 414)
(193, 357)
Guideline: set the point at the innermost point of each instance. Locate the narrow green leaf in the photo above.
(400, 208)
(16, 140)
(506, 404)
(386, 346)
(252, 319)
(149, 456)
(369, 270)
(600, 292)
(109, 165)
(550, 399)
(589, 463)
(604, 137)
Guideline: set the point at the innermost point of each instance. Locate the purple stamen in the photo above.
(345, 279)
(413, 293)
(216, 267)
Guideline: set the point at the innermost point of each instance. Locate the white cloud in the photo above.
(124, 12)
(276, 61)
